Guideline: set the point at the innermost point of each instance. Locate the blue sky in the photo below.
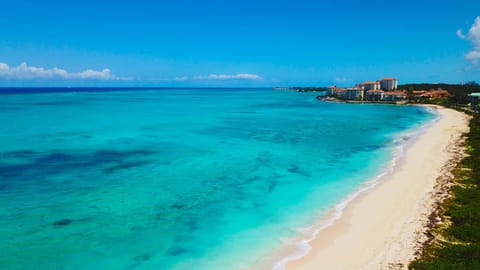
(236, 43)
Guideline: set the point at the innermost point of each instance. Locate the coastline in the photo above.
(384, 227)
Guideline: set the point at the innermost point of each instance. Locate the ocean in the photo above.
(181, 178)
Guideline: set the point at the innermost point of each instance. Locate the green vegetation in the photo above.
(459, 92)
(457, 244)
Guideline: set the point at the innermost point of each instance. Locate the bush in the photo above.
(462, 248)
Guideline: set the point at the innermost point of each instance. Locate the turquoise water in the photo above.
(179, 178)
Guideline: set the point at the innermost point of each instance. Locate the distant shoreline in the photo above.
(63, 89)
(336, 100)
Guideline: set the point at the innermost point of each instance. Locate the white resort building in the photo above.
(371, 86)
(354, 93)
(394, 95)
(388, 84)
(381, 90)
(374, 95)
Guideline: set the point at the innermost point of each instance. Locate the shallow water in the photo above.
(178, 178)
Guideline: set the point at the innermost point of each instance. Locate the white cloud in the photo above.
(181, 79)
(473, 36)
(460, 34)
(25, 72)
(473, 55)
(240, 76)
(342, 80)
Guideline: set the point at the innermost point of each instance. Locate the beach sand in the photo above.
(384, 228)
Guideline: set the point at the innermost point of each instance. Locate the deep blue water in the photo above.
(178, 178)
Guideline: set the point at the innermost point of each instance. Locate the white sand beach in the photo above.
(384, 227)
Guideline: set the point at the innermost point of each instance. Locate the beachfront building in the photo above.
(388, 84)
(353, 93)
(419, 93)
(431, 94)
(374, 95)
(381, 90)
(340, 93)
(331, 91)
(371, 86)
(440, 93)
(394, 95)
(474, 97)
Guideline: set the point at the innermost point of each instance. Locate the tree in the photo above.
(472, 83)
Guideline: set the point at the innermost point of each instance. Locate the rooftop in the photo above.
(395, 93)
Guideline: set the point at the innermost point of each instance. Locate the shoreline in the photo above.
(299, 247)
(406, 211)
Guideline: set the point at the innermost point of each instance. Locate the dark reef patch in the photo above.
(176, 251)
(15, 170)
(56, 103)
(125, 166)
(297, 170)
(272, 186)
(55, 158)
(9, 108)
(178, 206)
(39, 165)
(294, 169)
(62, 222)
(142, 257)
(19, 154)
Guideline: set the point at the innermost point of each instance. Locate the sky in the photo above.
(213, 43)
